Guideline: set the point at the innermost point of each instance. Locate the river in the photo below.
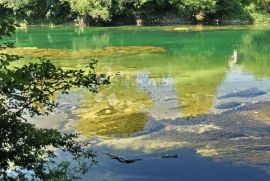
(201, 93)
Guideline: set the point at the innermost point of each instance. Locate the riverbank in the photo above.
(174, 22)
(172, 28)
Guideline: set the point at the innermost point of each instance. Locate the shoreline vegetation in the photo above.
(31, 13)
(167, 28)
(230, 24)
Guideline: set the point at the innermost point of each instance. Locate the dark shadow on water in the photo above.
(188, 167)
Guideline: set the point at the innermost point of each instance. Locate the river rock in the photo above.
(228, 105)
(248, 93)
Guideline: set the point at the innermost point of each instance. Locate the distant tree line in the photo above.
(127, 11)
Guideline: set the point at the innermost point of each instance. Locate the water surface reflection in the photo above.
(206, 99)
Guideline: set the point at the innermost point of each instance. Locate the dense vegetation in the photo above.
(151, 11)
(27, 152)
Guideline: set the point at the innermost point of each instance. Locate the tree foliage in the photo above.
(105, 11)
(27, 152)
(96, 9)
(36, 10)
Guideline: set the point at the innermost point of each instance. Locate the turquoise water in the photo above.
(202, 95)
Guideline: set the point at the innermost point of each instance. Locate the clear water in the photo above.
(205, 98)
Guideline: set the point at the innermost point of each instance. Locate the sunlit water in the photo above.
(203, 97)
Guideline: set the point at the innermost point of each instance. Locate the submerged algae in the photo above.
(114, 113)
(123, 125)
(59, 54)
(194, 28)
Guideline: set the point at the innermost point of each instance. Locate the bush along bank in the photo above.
(140, 12)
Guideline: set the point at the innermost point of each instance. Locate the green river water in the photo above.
(201, 93)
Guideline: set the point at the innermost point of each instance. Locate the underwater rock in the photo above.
(248, 93)
(106, 111)
(169, 156)
(112, 100)
(228, 105)
(232, 136)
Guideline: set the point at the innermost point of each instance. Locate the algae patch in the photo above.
(60, 54)
(117, 125)
(118, 111)
(199, 28)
